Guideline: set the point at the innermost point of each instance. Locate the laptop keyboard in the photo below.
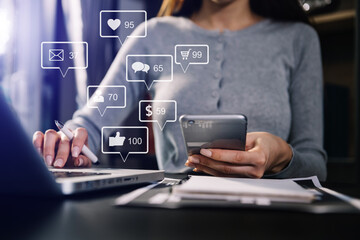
(77, 174)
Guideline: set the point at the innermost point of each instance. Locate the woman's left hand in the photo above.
(264, 153)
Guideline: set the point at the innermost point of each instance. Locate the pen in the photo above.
(85, 150)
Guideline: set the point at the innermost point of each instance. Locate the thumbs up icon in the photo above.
(117, 140)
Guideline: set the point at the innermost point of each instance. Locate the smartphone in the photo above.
(213, 131)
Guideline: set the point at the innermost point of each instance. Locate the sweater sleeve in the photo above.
(90, 118)
(306, 100)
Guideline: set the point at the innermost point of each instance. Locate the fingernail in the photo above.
(39, 151)
(189, 164)
(194, 160)
(58, 163)
(206, 152)
(48, 160)
(75, 151)
(81, 161)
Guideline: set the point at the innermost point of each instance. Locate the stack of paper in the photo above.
(243, 189)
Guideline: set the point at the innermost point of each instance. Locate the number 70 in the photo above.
(113, 97)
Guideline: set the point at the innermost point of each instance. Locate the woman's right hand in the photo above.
(58, 151)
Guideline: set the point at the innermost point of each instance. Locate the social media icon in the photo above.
(158, 111)
(185, 54)
(149, 68)
(56, 55)
(98, 97)
(114, 23)
(120, 24)
(124, 140)
(139, 66)
(117, 140)
(191, 54)
(149, 111)
(64, 56)
(104, 97)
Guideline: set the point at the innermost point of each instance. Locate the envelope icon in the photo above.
(56, 55)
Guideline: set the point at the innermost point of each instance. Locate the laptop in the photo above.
(24, 173)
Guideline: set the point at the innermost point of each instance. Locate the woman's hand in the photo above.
(264, 153)
(55, 147)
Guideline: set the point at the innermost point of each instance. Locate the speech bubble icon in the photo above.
(191, 54)
(149, 68)
(124, 140)
(146, 68)
(158, 111)
(104, 97)
(137, 66)
(64, 56)
(120, 24)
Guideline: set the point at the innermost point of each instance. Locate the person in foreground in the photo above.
(264, 62)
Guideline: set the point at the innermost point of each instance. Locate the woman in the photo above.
(264, 62)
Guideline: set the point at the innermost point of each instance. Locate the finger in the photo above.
(233, 156)
(82, 161)
(62, 152)
(251, 140)
(227, 169)
(205, 169)
(38, 139)
(189, 164)
(252, 135)
(79, 140)
(50, 140)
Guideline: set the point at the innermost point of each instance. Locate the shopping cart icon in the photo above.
(185, 54)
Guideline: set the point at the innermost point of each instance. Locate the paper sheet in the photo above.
(234, 189)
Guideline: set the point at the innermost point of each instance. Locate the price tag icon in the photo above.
(158, 111)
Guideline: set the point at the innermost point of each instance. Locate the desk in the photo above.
(92, 216)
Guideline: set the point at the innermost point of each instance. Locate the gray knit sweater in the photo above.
(271, 72)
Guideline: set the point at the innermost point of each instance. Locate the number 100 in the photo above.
(135, 141)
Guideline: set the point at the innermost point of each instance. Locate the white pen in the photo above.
(85, 150)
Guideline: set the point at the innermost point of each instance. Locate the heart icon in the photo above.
(114, 23)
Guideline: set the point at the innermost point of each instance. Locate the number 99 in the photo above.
(196, 54)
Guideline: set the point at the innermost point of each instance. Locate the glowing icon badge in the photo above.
(104, 97)
(158, 111)
(125, 140)
(121, 24)
(148, 68)
(191, 54)
(64, 56)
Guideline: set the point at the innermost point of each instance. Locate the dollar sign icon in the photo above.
(148, 109)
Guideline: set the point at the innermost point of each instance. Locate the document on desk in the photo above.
(298, 194)
(263, 191)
